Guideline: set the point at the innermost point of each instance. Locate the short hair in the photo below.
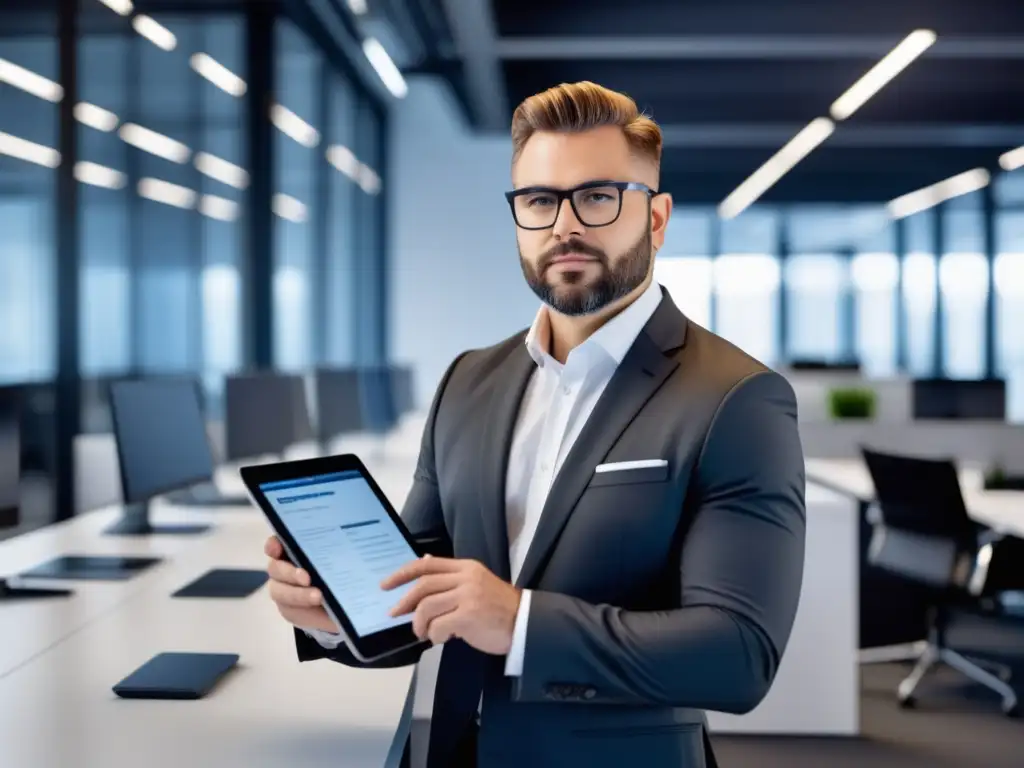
(578, 107)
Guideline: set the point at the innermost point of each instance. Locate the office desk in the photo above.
(1002, 511)
(57, 709)
(817, 688)
(28, 627)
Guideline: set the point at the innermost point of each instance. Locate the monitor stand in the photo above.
(10, 593)
(135, 522)
(206, 495)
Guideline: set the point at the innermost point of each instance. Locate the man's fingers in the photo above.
(431, 608)
(283, 571)
(426, 586)
(273, 548)
(286, 595)
(444, 627)
(421, 567)
(309, 618)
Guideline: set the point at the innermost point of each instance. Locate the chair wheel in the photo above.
(1011, 709)
(906, 702)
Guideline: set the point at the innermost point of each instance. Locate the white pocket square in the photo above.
(618, 466)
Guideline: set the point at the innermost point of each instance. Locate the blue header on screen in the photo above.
(333, 477)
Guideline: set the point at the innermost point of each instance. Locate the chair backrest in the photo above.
(925, 533)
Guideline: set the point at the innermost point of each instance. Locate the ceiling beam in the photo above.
(904, 135)
(759, 47)
(473, 29)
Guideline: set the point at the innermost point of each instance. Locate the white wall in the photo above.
(455, 281)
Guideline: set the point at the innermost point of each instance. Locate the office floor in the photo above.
(956, 724)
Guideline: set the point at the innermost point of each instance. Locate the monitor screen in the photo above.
(10, 457)
(959, 399)
(162, 442)
(265, 413)
(338, 403)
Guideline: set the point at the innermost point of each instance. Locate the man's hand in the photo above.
(290, 589)
(457, 598)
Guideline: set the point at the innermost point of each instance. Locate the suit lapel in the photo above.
(510, 382)
(644, 368)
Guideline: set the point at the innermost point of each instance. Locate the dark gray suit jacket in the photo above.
(658, 593)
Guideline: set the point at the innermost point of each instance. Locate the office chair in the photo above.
(921, 531)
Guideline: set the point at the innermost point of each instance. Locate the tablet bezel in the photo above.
(368, 648)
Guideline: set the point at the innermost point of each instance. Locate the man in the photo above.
(622, 490)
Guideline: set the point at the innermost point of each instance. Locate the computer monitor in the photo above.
(162, 446)
(264, 414)
(10, 487)
(338, 403)
(960, 399)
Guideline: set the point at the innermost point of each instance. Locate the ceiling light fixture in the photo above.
(876, 78)
(761, 180)
(385, 67)
(1012, 160)
(29, 151)
(293, 126)
(927, 197)
(30, 82)
(155, 32)
(222, 77)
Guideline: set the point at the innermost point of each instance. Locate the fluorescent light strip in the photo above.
(221, 170)
(369, 180)
(95, 117)
(927, 197)
(28, 151)
(341, 157)
(293, 126)
(761, 180)
(123, 7)
(155, 143)
(219, 208)
(99, 175)
(385, 67)
(218, 74)
(30, 82)
(894, 62)
(358, 7)
(287, 207)
(1012, 160)
(156, 33)
(160, 191)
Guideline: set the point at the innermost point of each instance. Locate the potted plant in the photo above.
(997, 479)
(852, 403)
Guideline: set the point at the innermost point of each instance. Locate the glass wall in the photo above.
(163, 171)
(29, 97)
(830, 283)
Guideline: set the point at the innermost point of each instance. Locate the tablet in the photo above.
(335, 522)
(176, 676)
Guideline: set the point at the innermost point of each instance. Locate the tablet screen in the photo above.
(339, 523)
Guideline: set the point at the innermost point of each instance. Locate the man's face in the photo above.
(578, 269)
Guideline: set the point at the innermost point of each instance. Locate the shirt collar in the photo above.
(614, 337)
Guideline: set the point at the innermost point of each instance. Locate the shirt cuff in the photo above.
(516, 654)
(328, 640)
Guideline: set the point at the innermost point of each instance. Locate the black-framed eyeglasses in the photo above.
(595, 203)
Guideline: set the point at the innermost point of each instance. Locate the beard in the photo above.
(570, 295)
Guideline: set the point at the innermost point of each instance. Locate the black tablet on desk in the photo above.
(336, 523)
(176, 676)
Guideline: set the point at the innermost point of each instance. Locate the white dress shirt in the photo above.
(557, 403)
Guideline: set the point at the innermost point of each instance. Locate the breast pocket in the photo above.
(625, 472)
